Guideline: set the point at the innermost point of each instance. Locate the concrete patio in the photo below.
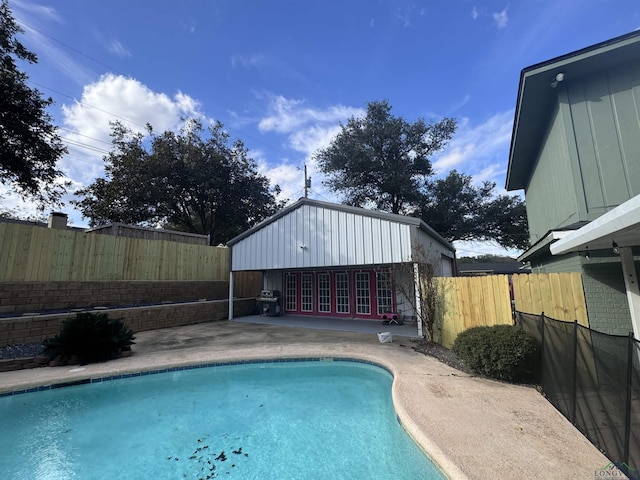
(471, 427)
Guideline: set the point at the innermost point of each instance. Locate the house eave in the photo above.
(403, 219)
(542, 245)
(537, 97)
(620, 225)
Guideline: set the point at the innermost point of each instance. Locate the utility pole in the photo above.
(307, 182)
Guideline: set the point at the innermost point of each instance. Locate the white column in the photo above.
(416, 283)
(231, 295)
(631, 286)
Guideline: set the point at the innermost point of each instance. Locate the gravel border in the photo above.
(442, 354)
(26, 350)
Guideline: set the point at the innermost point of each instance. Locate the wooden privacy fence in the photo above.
(33, 253)
(558, 295)
(467, 302)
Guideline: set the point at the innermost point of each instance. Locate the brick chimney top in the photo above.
(57, 220)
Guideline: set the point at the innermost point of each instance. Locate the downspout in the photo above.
(231, 295)
(230, 285)
(416, 283)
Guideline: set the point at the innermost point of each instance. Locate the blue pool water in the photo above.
(299, 420)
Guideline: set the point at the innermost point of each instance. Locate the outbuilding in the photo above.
(326, 259)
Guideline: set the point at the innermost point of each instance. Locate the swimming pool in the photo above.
(278, 420)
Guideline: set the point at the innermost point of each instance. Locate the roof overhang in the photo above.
(543, 244)
(538, 97)
(620, 225)
(403, 219)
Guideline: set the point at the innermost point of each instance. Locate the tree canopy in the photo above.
(383, 160)
(196, 181)
(459, 210)
(29, 144)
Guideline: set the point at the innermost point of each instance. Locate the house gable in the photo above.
(576, 134)
(313, 234)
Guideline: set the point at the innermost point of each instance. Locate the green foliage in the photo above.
(195, 181)
(29, 144)
(91, 337)
(383, 160)
(488, 258)
(503, 352)
(459, 210)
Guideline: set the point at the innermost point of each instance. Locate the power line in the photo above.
(98, 150)
(29, 27)
(87, 104)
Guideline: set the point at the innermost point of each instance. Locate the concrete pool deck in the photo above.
(471, 427)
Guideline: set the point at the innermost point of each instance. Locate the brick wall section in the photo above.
(603, 284)
(606, 298)
(19, 330)
(37, 296)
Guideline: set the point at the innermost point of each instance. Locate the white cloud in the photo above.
(288, 115)
(307, 129)
(117, 48)
(474, 13)
(501, 18)
(34, 19)
(248, 61)
(115, 97)
(41, 11)
(308, 140)
(479, 150)
(289, 178)
(474, 249)
(406, 13)
(86, 128)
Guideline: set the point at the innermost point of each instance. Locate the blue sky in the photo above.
(282, 74)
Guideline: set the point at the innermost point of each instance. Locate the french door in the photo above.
(353, 293)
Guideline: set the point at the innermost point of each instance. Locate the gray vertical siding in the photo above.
(551, 197)
(605, 112)
(589, 160)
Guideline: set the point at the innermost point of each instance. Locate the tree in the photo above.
(458, 210)
(428, 305)
(29, 144)
(487, 258)
(382, 160)
(182, 181)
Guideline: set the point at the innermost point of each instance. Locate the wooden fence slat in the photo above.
(34, 253)
(476, 301)
(579, 300)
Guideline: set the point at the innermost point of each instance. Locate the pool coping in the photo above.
(428, 448)
(181, 368)
(470, 427)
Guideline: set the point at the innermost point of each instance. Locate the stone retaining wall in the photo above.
(38, 296)
(34, 329)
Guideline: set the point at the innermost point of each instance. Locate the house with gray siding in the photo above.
(575, 151)
(334, 260)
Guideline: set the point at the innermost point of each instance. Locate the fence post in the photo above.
(574, 373)
(542, 350)
(627, 421)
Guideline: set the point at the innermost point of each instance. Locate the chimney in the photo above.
(57, 220)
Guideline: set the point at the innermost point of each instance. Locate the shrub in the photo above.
(503, 352)
(91, 337)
